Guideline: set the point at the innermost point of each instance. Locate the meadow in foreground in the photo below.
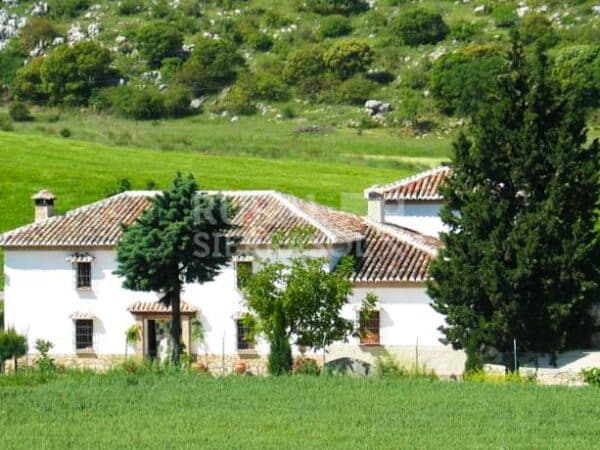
(188, 410)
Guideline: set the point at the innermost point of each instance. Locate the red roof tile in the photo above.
(422, 186)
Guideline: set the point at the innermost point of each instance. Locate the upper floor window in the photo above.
(84, 335)
(243, 269)
(84, 275)
(369, 327)
(245, 340)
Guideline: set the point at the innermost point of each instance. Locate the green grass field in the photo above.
(191, 411)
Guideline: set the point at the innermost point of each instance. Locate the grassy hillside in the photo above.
(191, 411)
(81, 172)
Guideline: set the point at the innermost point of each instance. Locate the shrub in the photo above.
(212, 66)
(266, 86)
(70, 73)
(480, 376)
(238, 101)
(504, 15)
(334, 26)
(19, 112)
(387, 366)
(577, 69)
(280, 357)
(317, 88)
(463, 31)
(348, 57)
(419, 26)
(133, 102)
(591, 376)
(355, 90)
(67, 8)
(11, 60)
(303, 64)
(28, 82)
(259, 41)
(306, 366)
(6, 125)
(157, 41)
(335, 6)
(177, 101)
(12, 345)
(535, 26)
(45, 363)
(65, 132)
(35, 30)
(130, 7)
(462, 82)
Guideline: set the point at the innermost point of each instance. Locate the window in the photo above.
(369, 328)
(84, 335)
(243, 270)
(244, 341)
(84, 275)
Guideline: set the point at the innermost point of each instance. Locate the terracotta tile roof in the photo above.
(422, 186)
(159, 308)
(394, 254)
(390, 253)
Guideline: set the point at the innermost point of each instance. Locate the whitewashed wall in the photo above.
(418, 216)
(40, 296)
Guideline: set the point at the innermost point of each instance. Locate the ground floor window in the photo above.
(245, 340)
(84, 335)
(369, 328)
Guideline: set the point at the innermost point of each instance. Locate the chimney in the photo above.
(376, 208)
(44, 205)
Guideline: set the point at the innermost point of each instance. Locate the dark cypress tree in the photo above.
(520, 258)
(280, 356)
(180, 239)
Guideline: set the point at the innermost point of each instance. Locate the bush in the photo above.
(177, 101)
(348, 57)
(70, 73)
(462, 82)
(67, 8)
(463, 31)
(266, 86)
(259, 41)
(334, 26)
(6, 125)
(536, 26)
(238, 101)
(212, 66)
(306, 366)
(335, 6)
(591, 376)
(28, 82)
(12, 345)
(45, 363)
(354, 91)
(137, 103)
(303, 64)
(131, 7)
(35, 30)
(387, 366)
(577, 69)
(19, 113)
(11, 60)
(317, 88)
(505, 15)
(419, 26)
(157, 41)
(480, 376)
(65, 132)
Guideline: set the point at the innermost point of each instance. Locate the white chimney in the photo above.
(376, 207)
(44, 205)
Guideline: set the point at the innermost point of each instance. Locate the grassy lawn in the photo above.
(191, 411)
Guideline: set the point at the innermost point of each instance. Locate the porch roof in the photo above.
(159, 308)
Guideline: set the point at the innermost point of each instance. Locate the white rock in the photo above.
(522, 10)
(59, 40)
(235, 119)
(596, 9)
(481, 9)
(196, 103)
(120, 39)
(93, 29)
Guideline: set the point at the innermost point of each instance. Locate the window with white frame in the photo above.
(84, 335)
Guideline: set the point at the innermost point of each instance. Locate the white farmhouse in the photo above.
(60, 283)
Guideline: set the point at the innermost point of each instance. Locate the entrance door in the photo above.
(152, 344)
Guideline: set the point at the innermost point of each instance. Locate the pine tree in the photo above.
(520, 257)
(280, 357)
(180, 239)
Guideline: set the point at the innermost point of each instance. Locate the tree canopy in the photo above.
(520, 258)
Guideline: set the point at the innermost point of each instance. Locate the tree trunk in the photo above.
(176, 326)
(16, 365)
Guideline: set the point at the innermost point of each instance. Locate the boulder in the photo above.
(349, 366)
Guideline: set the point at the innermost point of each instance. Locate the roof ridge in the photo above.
(409, 236)
(404, 181)
(284, 199)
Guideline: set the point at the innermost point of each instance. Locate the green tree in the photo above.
(280, 355)
(180, 239)
(12, 345)
(36, 30)
(577, 69)
(27, 84)
(419, 26)
(70, 73)
(348, 57)
(158, 40)
(311, 298)
(520, 257)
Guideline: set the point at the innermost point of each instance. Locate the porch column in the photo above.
(186, 333)
(141, 337)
